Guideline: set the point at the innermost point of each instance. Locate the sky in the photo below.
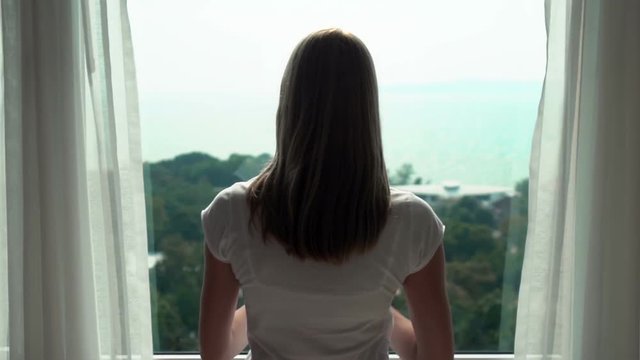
(200, 61)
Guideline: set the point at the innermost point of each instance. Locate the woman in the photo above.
(318, 241)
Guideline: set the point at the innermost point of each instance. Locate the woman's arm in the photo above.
(223, 329)
(430, 332)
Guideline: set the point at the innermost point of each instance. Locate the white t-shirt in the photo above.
(313, 310)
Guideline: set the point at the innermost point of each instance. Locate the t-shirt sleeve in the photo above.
(215, 220)
(426, 235)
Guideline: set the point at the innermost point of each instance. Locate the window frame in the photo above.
(391, 357)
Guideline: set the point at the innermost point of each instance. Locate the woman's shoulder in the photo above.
(407, 203)
(237, 190)
(406, 198)
(420, 225)
(231, 197)
(401, 201)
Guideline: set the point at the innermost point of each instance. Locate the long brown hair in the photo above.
(325, 193)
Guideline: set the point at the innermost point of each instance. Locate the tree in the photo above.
(514, 233)
(403, 175)
(474, 272)
(484, 253)
(176, 191)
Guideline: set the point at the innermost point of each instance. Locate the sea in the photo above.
(472, 132)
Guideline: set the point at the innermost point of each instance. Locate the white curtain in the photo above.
(580, 290)
(73, 255)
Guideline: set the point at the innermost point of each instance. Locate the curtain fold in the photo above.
(580, 289)
(73, 254)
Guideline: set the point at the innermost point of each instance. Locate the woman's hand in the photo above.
(403, 338)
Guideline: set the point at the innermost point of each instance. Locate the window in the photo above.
(459, 84)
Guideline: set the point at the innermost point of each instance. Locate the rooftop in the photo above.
(454, 189)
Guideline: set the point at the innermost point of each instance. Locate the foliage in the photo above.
(177, 190)
(403, 175)
(484, 251)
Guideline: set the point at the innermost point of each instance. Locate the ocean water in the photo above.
(477, 133)
(471, 132)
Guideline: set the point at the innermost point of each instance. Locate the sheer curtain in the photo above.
(73, 255)
(580, 290)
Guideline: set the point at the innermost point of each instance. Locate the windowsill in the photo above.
(391, 356)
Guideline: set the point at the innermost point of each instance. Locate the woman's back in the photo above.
(318, 242)
(310, 309)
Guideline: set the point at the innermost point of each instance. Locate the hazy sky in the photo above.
(215, 66)
(204, 45)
